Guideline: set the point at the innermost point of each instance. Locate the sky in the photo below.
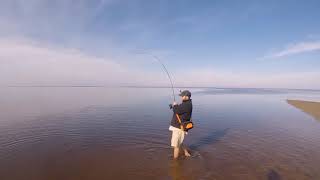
(258, 44)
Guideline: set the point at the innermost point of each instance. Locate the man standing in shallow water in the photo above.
(184, 111)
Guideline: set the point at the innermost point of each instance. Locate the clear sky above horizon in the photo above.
(203, 43)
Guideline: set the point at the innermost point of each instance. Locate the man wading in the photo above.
(184, 112)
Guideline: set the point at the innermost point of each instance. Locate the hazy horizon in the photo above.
(154, 86)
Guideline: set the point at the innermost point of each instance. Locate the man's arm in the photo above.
(179, 109)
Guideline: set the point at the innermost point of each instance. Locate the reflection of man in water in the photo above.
(184, 110)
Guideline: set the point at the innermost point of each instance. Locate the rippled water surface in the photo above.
(80, 133)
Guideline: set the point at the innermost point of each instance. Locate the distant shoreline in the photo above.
(310, 107)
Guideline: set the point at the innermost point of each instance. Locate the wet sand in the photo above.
(309, 107)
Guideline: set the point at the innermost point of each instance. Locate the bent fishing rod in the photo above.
(168, 74)
(165, 70)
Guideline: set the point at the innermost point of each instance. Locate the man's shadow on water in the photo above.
(211, 138)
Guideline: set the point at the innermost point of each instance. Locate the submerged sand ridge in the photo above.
(309, 107)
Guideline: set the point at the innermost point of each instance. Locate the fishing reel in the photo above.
(170, 106)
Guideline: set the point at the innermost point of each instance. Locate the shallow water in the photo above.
(121, 133)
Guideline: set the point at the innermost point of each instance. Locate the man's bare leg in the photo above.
(176, 152)
(186, 153)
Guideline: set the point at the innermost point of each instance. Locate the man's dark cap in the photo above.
(185, 93)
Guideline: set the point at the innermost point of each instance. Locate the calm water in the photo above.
(120, 133)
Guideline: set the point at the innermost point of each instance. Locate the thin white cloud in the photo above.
(25, 62)
(302, 47)
(49, 19)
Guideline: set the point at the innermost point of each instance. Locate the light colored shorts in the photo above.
(177, 136)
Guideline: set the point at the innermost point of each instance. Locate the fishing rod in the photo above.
(165, 70)
(168, 74)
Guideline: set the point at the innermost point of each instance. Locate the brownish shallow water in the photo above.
(119, 133)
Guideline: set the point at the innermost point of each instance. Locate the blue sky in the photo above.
(203, 43)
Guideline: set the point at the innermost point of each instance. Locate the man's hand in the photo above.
(174, 103)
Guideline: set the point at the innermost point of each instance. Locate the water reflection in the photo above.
(176, 170)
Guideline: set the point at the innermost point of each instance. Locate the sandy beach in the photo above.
(312, 108)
